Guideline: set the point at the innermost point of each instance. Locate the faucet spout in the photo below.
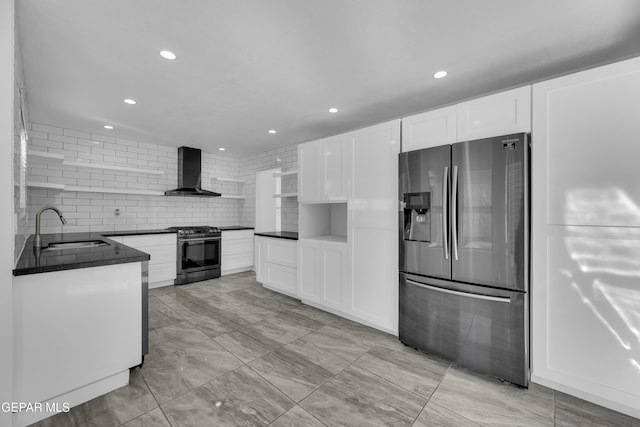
(37, 240)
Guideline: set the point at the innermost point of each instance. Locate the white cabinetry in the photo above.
(237, 251)
(309, 171)
(347, 253)
(77, 333)
(322, 166)
(162, 248)
(373, 225)
(586, 235)
(430, 129)
(276, 264)
(323, 272)
(494, 115)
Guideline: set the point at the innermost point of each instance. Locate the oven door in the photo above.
(199, 254)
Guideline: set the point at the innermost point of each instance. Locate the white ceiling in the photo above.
(248, 66)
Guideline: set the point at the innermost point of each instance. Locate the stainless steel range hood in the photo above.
(190, 174)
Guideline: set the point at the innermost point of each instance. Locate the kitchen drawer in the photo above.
(162, 272)
(148, 240)
(281, 278)
(239, 246)
(237, 234)
(281, 251)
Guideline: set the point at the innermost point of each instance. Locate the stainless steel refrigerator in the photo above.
(464, 254)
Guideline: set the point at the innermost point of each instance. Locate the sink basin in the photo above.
(58, 246)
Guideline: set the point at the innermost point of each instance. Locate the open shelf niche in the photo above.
(323, 221)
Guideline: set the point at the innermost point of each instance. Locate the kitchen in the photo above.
(111, 199)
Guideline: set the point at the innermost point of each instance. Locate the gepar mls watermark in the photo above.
(51, 407)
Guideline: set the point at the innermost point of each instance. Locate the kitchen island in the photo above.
(78, 321)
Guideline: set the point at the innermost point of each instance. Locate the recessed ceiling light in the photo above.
(221, 149)
(333, 110)
(168, 55)
(130, 101)
(272, 131)
(440, 74)
(278, 159)
(108, 127)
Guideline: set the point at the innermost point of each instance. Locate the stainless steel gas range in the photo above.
(199, 253)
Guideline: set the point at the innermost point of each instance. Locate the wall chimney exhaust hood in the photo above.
(190, 174)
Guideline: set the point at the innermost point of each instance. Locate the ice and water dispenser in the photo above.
(417, 216)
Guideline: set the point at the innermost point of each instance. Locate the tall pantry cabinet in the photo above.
(347, 248)
(586, 239)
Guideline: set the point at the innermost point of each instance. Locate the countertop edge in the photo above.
(287, 235)
(133, 255)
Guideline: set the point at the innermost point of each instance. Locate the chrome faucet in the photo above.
(37, 241)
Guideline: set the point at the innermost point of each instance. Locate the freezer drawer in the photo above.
(481, 328)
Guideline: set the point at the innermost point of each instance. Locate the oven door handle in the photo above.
(204, 239)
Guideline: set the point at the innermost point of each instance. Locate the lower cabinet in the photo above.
(276, 264)
(162, 248)
(237, 251)
(323, 273)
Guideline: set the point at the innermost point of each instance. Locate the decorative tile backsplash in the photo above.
(101, 211)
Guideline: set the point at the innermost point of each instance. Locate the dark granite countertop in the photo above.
(136, 232)
(290, 235)
(234, 227)
(70, 259)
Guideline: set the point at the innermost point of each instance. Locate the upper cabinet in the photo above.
(323, 172)
(495, 115)
(430, 129)
(309, 171)
(500, 114)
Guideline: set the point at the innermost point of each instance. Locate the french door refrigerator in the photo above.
(464, 254)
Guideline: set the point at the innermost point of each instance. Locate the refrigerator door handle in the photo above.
(454, 213)
(445, 213)
(506, 300)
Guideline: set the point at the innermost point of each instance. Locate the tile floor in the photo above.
(228, 352)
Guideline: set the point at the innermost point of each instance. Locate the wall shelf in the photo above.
(283, 195)
(81, 164)
(291, 172)
(63, 187)
(45, 185)
(231, 196)
(45, 155)
(224, 179)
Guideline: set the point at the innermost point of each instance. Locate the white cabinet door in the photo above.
(276, 263)
(334, 275)
(333, 159)
(586, 235)
(163, 249)
(494, 115)
(430, 129)
(372, 225)
(281, 251)
(309, 171)
(309, 270)
(237, 251)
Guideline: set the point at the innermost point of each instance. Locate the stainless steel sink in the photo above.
(58, 246)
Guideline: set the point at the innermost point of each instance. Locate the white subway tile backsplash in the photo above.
(96, 211)
(46, 129)
(102, 138)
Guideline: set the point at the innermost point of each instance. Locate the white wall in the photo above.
(6, 210)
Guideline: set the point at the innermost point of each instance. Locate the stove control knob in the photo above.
(180, 232)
